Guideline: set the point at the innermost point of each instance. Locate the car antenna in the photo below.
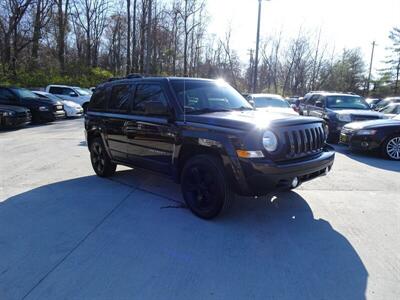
(184, 100)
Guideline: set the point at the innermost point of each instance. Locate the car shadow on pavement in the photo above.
(369, 158)
(94, 238)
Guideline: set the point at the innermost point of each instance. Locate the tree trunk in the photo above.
(128, 39)
(36, 35)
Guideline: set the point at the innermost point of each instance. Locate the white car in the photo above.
(71, 93)
(71, 109)
(391, 111)
(271, 103)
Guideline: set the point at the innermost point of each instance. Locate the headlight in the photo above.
(366, 132)
(270, 141)
(43, 108)
(344, 118)
(8, 113)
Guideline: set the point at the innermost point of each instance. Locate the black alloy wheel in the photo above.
(204, 186)
(101, 163)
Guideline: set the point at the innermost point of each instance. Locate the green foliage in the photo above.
(41, 78)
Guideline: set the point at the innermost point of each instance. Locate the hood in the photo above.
(38, 101)
(373, 124)
(357, 112)
(283, 110)
(251, 119)
(10, 108)
(70, 104)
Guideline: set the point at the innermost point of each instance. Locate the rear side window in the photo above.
(98, 101)
(120, 98)
(61, 90)
(147, 93)
(6, 95)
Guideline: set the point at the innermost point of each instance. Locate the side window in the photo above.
(120, 98)
(6, 95)
(98, 101)
(311, 101)
(389, 109)
(55, 90)
(149, 95)
(68, 92)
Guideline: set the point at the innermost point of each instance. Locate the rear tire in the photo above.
(101, 162)
(391, 148)
(205, 188)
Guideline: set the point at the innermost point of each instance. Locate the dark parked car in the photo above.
(42, 110)
(14, 116)
(206, 136)
(338, 109)
(383, 135)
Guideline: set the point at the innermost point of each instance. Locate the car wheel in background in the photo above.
(204, 186)
(391, 148)
(101, 163)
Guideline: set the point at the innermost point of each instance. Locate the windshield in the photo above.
(261, 102)
(346, 102)
(24, 93)
(206, 96)
(82, 92)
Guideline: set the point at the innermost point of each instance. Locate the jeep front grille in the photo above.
(304, 141)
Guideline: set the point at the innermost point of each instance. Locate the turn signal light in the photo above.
(249, 154)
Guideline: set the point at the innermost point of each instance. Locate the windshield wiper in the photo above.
(206, 110)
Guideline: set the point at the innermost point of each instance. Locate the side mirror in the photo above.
(156, 108)
(72, 94)
(252, 103)
(318, 104)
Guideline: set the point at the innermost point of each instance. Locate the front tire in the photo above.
(101, 163)
(205, 188)
(391, 148)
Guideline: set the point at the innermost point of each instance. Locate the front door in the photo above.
(150, 136)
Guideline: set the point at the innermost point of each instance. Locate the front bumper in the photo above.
(359, 142)
(51, 115)
(263, 176)
(73, 112)
(14, 121)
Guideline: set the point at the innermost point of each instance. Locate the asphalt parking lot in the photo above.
(67, 234)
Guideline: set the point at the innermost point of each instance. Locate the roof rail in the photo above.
(134, 75)
(129, 76)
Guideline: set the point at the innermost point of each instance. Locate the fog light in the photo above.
(295, 182)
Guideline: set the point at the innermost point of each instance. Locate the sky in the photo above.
(343, 23)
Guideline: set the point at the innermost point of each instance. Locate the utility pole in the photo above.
(370, 68)
(257, 46)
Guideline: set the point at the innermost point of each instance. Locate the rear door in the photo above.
(119, 105)
(150, 135)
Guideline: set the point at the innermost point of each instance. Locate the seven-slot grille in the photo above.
(304, 141)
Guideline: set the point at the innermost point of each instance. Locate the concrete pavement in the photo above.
(67, 234)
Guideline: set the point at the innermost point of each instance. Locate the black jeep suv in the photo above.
(338, 109)
(206, 136)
